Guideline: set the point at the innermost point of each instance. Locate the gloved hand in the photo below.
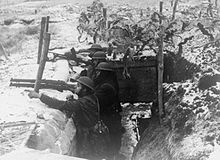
(73, 51)
(33, 94)
(69, 97)
(71, 55)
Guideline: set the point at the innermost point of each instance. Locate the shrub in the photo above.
(31, 30)
(8, 21)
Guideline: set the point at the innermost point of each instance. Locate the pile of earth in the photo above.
(190, 127)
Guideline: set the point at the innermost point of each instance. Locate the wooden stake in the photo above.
(105, 13)
(161, 10)
(105, 16)
(42, 62)
(42, 29)
(47, 23)
(174, 9)
(160, 68)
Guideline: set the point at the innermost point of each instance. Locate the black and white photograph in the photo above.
(109, 79)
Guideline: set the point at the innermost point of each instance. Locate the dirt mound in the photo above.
(190, 129)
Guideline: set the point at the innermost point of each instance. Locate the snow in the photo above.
(15, 104)
(216, 154)
(130, 114)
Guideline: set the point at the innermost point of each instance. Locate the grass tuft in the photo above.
(8, 21)
(31, 30)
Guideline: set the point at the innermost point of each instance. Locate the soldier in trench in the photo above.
(107, 88)
(84, 112)
(94, 48)
(73, 54)
(97, 58)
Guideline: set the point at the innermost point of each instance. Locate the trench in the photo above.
(137, 95)
(136, 110)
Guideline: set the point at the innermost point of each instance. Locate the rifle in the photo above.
(44, 84)
(68, 56)
(104, 49)
(57, 55)
(72, 55)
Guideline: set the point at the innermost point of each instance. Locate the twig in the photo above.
(12, 143)
(15, 125)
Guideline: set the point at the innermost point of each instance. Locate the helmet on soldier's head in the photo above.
(86, 81)
(95, 47)
(99, 55)
(104, 66)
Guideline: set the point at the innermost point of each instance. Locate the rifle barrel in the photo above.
(42, 81)
(56, 86)
(22, 84)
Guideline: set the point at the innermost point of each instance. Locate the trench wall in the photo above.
(137, 80)
(56, 133)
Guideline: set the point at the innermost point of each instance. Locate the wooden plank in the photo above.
(42, 61)
(43, 22)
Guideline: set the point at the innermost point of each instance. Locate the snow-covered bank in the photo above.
(190, 128)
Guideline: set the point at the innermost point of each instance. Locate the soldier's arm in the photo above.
(69, 105)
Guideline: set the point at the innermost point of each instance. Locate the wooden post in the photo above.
(43, 21)
(160, 67)
(42, 62)
(161, 10)
(174, 9)
(105, 16)
(171, 3)
(47, 23)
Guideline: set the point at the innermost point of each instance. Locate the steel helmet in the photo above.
(95, 47)
(86, 81)
(104, 66)
(99, 55)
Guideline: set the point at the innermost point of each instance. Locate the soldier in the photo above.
(84, 112)
(74, 55)
(97, 58)
(106, 86)
(94, 48)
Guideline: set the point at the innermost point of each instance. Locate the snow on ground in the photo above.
(17, 107)
(129, 121)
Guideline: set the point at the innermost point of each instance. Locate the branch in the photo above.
(205, 32)
(180, 51)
